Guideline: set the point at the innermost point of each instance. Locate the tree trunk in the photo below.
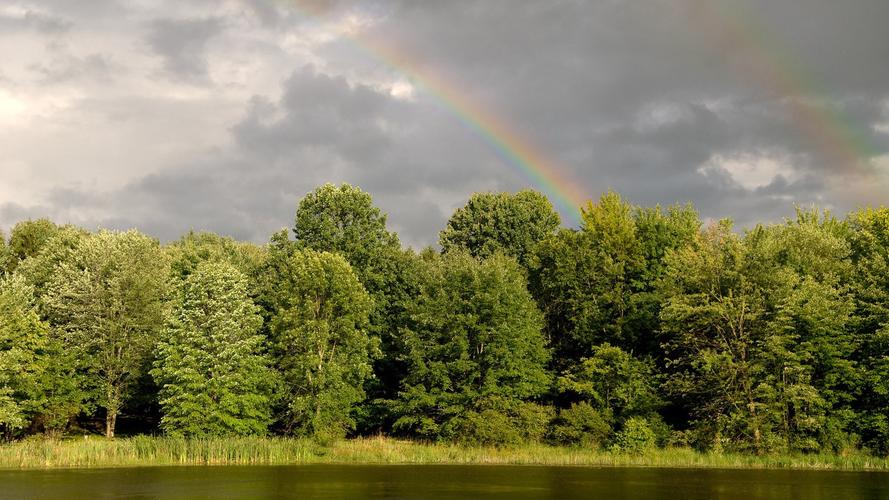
(110, 421)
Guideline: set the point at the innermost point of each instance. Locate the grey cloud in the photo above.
(634, 96)
(181, 43)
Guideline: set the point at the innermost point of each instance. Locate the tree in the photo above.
(321, 342)
(343, 220)
(869, 240)
(213, 375)
(107, 303)
(37, 383)
(191, 250)
(613, 382)
(23, 339)
(475, 353)
(512, 224)
(713, 326)
(39, 268)
(27, 239)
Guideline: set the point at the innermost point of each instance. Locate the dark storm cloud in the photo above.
(181, 43)
(661, 100)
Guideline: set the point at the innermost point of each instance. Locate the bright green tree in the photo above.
(321, 342)
(476, 354)
(107, 303)
(213, 375)
(869, 240)
(189, 251)
(38, 385)
(512, 224)
(23, 342)
(27, 239)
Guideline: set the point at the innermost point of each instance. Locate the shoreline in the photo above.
(149, 451)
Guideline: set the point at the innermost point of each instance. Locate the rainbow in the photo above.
(841, 140)
(514, 150)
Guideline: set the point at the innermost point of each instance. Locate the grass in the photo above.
(155, 451)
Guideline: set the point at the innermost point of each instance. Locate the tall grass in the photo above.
(149, 451)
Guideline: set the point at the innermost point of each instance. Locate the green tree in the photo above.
(321, 342)
(475, 353)
(23, 340)
(27, 239)
(107, 303)
(37, 383)
(191, 250)
(713, 324)
(613, 382)
(343, 220)
(869, 239)
(213, 375)
(512, 224)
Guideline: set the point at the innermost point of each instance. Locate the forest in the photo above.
(645, 327)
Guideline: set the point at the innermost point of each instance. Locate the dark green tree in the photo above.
(475, 352)
(321, 342)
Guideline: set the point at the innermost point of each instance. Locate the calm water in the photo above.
(465, 482)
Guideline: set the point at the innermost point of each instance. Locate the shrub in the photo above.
(636, 436)
(581, 425)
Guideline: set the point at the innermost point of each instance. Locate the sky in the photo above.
(171, 115)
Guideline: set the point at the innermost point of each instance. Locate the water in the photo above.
(434, 482)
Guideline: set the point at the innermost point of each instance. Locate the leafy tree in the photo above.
(613, 382)
(473, 346)
(713, 325)
(869, 240)
(27, 239)
(39, 268)
(107, 303)
(4, 254)
(23, 339)
(320, 338)
(36, 380)
(343, 220)
(210, 366)
(191, 250)
(512, 224)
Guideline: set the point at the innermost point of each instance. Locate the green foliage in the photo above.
(869, 243)
(613, 381)
(213, 376)
(616, 259)
(106, 301)
(512, 224)
(319, 329)
(194, 248)
(636, 437)
(498, 421)
(37, 383)
(27, 239)
(582, 425)
(343, 220)
(474, 334)
(773, 340)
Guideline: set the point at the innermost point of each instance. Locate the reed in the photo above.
(156, 451)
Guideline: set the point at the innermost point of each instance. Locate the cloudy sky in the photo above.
(220, 115)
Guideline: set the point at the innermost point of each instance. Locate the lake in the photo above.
(433, 481)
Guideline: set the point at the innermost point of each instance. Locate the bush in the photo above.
(499, 422)
(636, 436)
(581, 425)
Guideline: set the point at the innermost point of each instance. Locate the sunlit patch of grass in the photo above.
(154, 451)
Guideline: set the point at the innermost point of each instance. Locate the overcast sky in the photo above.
(220, 115)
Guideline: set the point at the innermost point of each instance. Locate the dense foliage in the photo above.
(642, 328)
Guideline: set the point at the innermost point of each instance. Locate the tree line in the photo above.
(643, 327)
